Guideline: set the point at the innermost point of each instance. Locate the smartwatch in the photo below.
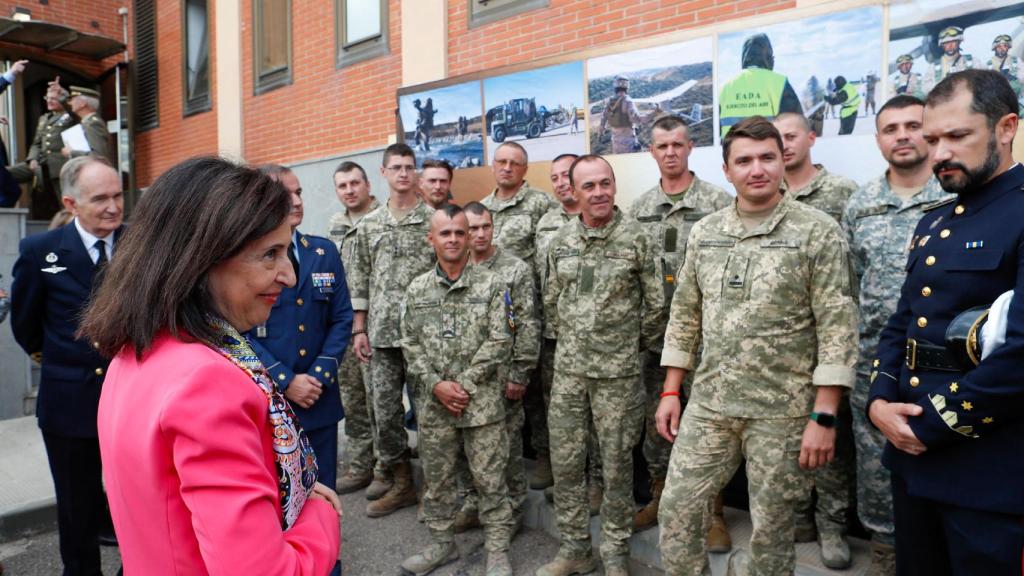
(824, 419)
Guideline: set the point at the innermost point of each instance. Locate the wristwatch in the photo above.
(824, 419)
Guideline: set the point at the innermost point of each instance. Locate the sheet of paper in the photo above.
(74, 138)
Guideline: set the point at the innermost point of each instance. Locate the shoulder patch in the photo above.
(939, 204)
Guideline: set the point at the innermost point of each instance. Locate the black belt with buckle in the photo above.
(924, 356)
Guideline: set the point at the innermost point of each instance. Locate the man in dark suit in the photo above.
(953, 416)
(53, 278)
(9, 190)
(304, 340)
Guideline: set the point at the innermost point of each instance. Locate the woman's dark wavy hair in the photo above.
(194, 216)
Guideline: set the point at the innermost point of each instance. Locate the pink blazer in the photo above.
(188, 465)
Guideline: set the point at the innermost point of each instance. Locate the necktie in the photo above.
(102, 247)
(294, 259)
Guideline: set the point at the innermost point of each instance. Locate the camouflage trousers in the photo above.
(485, 448)
(656, 449)
(615, 405)
(387, 379)
(546, 372)
(834, 481)
(515, 470)
(874, 486)
(705, 456)
(624, 140)
(538, 396)
(359, 424)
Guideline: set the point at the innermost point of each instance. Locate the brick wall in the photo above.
(177, 137)
(326, 110)
(574, 25)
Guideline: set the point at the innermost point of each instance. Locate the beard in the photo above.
(970, 179)
(908, 163)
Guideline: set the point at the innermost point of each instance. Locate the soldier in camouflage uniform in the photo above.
(879, 221)
(455, 335)
(812, 184)
(904, 81)
(353, 191)
(620, 114)
(765, 288)
(537, 400)
(1007, 64)
(524, 323)
(516, 208)
(604, 297)
(667, 212)
(389, 252)
(953, 60)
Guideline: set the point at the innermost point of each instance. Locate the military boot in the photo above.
(562, 566)
(805, 531)
(401, 495)
(380, 485)
(595, 494)
(353, 481)
(541, 476)
(835, 550)
(648, 515)
(883, 560)
(498, 564)
(617, 567)
(718, 535)
(467, 518)
(430, 558)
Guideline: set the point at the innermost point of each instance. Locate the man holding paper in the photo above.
(90, 135)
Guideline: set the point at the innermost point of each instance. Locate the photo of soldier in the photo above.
(760, 69)
(444, 124)
(533, 108)
(931, 39)
(629, 92)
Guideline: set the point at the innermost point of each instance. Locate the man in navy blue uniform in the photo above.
(53, 277)
(955, 427)
(304, 340)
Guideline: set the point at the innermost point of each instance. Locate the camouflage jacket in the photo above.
(827, 192)
(515, 220)
(773, 309)
(520, 312)
(878, 226)
(605, 291)
(343, 232)
(387, 255)
(909, 84)
(546, 229)
(668, 225)
(458, 330)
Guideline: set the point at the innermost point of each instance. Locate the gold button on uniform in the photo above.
(876, 363)
(922, 322)
(959, 209)
(318, 369)
(299, 301)
(99, 371)
(327, 374)
(280, 376)
(302, 327)
(302, 351)
(929, 260)
(954, 387)
(944, 233)
(926, 291)
(915, 381)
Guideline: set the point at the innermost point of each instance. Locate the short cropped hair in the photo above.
(561, 157)
(898, 102)
(991, 93)
(476, 208)
(517, 146)
(669, 123)
(72, 169)
(400, 149)
(348, 166)
(587, 158)
(753, 127)
(436, 163)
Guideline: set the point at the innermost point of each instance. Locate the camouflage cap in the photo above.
(904, 58)
(1002, 39)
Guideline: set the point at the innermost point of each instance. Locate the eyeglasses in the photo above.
(399, 169)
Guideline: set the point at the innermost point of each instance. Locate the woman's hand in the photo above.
(323, 492)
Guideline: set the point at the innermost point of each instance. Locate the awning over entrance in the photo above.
(53, 37)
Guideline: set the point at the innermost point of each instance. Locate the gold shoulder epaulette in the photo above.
(939, 204)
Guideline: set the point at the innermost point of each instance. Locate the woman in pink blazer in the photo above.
(206, 469)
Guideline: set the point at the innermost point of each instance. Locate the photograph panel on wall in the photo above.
(628, 92)
(825, 67)
(445, 123)
(541, 109)
(930, 39)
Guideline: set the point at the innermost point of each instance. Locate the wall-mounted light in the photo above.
(21, 14)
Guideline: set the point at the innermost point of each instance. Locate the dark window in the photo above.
(485, 11)
(361, 30)
(196, 57)
(273, 43)
(147, 113)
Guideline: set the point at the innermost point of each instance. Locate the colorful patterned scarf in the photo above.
(293, 454)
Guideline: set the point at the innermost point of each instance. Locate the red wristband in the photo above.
(667, 394)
